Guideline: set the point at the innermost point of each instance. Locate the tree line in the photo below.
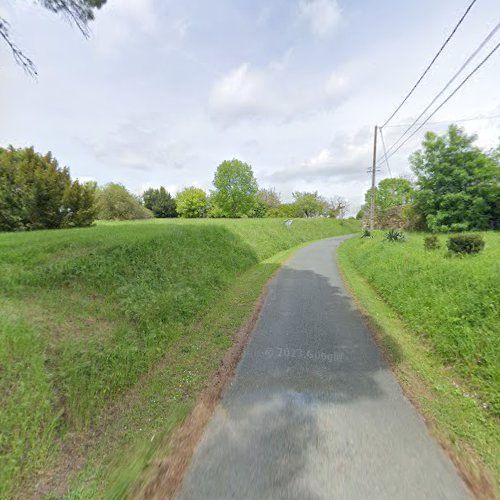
(36, 193)
(456, 187)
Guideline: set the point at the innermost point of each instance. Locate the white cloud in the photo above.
(123, 21)
(248, 92)
(181, 27)
(323, 16)
(141, 144)
(342, 161)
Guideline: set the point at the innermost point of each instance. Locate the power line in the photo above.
(450, 121)
(385, 153)
(462, 83)
(454, 77)
(431, 63)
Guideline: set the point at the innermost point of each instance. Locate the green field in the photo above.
(437, 318)
(86, 314)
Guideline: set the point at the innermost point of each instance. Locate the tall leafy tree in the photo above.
(391, 193)
(235, 188)
(160, 202)
(192, 203)
(458, 183)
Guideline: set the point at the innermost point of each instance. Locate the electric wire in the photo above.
(443, 90)
(431, 63)
(462, 83)
(385, 152)
(471, 119)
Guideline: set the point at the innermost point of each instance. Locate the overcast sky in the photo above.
(164, 90)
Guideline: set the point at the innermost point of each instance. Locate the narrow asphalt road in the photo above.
(313, 411)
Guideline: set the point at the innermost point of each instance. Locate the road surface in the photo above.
(313, 411)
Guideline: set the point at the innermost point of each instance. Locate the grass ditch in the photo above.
(421, 304)
(120, 326)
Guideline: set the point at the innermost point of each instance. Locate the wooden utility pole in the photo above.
(374, 168)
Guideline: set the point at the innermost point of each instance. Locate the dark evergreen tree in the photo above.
(35, 193)
(160, 202)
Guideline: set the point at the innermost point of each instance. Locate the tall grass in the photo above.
(451, 301)
(85, 312)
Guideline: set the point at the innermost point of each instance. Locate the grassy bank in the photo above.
(437, 318)
(86, 314)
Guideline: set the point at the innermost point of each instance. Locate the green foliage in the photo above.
(454, 303)
(465, 244)
(99, 308)
(431, 242)
(309, 204)
(367, 234)
(114, 202)
(235, 189)
(285, 210)
(35, 193)
(395, 235)
(391, 193)
(268, 197)
(160, 202)
(458, 183)
(192, 203)
(266, 200)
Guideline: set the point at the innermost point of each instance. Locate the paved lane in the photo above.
(313, 411)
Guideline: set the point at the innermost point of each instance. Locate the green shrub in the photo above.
(366, 234)
(465, 243)
(395, 235)
(431, 242)
(115, 202)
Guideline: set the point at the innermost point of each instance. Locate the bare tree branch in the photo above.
(78, 12)
(24, 61)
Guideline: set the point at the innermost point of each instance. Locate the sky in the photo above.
(163, 91)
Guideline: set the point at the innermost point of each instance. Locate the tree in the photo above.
(337, 207)
(79, 203)
(269, 197)
(391, 193)
(35, 193)
(235, 188)
(284, 210)
(79, 12)
(192, 203)
(265, 200)
(114, 202)
(458, 183)
(309, 204)
(160, 202)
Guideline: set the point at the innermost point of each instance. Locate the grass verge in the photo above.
(120, 325)
(444, 396)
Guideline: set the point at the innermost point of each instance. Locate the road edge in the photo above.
(475, 474)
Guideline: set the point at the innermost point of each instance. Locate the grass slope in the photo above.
(86, 314)
(437, 318)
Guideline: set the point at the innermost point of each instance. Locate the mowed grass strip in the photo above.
(437, 319)
(90, 311)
